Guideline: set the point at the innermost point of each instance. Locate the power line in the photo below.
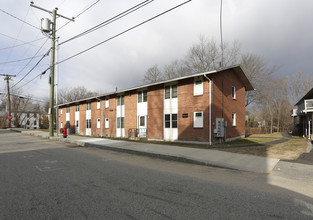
(19, 19)
(31, 69)
(29, 43)
(15, 61)
(34, 56)
(109, 21)
(41, 74)
(90, 6)
(123, 32)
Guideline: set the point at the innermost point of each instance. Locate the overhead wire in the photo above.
(41, 74)
(21, 20)
(90, 6)
(16, 61)
(34, 56)
(24, 43)
(30, 70)
(109, 21)
(123, 32)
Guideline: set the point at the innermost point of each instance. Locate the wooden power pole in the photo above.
(53, 37)
(8, 78)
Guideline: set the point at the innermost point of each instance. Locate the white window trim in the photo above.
(107, 123)
(98, 122)
(233, 92)
(234, 119)
(197, 123)
(107, 103)
(197, 89)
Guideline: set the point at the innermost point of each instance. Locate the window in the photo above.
(233, 92)
(171, 121)
(167, 121)
(35, 123)
(88, 123)
(106, 123)
(233, 116)
(174, 91)
(77, 108)
(107, 102)
(88, 106)
(167, 92)
(76, 123)
(174, 120)
(68, 110)
(198, 87)
(61, 110)
(139, 97)
(142, 121)
(198, 120)
(118, 100)
(98, 104)
(145, 96)
(120, 122)
(98, 122)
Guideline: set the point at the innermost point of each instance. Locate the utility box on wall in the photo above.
(219, 131)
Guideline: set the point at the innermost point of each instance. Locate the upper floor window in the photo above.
(233, 92)
(68, 110)
(170, 91)
(98, 104)
(142, 96)
(198, 86)
(61, 111)
(107, 102)
(77, 108)
(88, 106)
(120, 100)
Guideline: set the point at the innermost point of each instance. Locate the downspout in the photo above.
(210, 109)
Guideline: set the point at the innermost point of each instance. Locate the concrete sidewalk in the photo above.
(192, 155)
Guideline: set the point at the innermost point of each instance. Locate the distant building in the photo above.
(207, 107)
(303, 115)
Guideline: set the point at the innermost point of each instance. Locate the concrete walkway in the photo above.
(192, 155)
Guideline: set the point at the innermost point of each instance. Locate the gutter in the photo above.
(210, 109)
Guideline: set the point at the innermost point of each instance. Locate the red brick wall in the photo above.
(155, 111)
(224, 105)
(82, 118)
(130, 113)
(188, 104)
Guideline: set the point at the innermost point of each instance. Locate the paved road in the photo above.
(40, 179)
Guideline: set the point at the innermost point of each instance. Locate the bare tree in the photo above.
(153, 74)
(73, 94)
(299, 86)
(258, 73)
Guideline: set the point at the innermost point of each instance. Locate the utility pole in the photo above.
(51, 105)
(8, 78)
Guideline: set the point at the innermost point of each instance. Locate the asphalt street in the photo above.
(41, 179)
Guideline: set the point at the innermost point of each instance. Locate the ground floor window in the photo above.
(120, 122)
(98, 122)
(234, 118)
(106, 123)
(88, 123)
(77, 123)
(170, 120)
(198, 120)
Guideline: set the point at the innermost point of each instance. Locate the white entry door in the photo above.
(142, 126)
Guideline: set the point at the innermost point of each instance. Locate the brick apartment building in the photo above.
(207, 107)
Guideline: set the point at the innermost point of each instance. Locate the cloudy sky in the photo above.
(278, 30)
